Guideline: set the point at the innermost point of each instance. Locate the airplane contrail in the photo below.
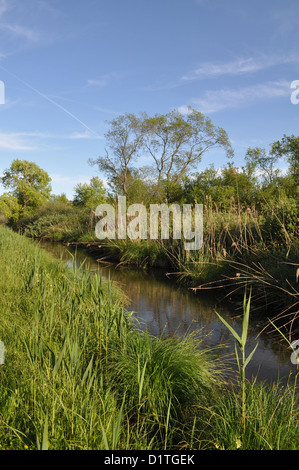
(50, 101)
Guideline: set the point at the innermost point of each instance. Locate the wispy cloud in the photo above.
(11, 23)
(20, 31)
(31, 140)
(14, 141)
(99, 82)
(241, 66)
(218, 100)
(238, 66)
(30, 24)
(84, 135)
(70, 180)
(103, 80)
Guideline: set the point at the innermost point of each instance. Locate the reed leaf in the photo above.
(231, 329)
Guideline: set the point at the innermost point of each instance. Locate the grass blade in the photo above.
(117, 427)
(45, 443)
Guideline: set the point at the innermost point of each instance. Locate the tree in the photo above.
(263, 161)
(9, 207)
(288, 147)
(174, 142)
(124, 139)
(177, 143)
(223, 186)
(29, 184)
(60, 199)
(203, 184)
(90, 195)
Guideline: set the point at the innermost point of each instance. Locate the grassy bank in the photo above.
(79, 375)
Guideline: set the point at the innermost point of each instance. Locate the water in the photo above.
(165, 308)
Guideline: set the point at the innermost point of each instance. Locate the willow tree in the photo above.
(177, 142)
(124, 139)
(172, 143)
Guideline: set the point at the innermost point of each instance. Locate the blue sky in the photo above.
(69, 66)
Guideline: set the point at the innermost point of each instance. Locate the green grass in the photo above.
(79, 374)
(271, 423)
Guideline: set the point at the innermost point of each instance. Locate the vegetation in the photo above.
(250, 213)
(90, 195)
(79, 374)
(30, 187)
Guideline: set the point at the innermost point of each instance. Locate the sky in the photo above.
(68, 67)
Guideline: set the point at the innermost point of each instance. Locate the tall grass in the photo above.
(78, 374)
(52, 325)
(271, 422)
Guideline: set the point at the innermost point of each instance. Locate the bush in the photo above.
(56, 221)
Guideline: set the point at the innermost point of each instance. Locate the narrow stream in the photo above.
(165, 308)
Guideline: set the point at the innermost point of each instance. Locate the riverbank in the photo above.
(270, 272)
(240, 247)
(78, 374)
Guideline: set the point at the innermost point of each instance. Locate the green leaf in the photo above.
(230, 328)
(250, 356)
(104, 435)
(238, 360)
(246, 310)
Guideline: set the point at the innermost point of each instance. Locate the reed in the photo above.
(241, 343)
